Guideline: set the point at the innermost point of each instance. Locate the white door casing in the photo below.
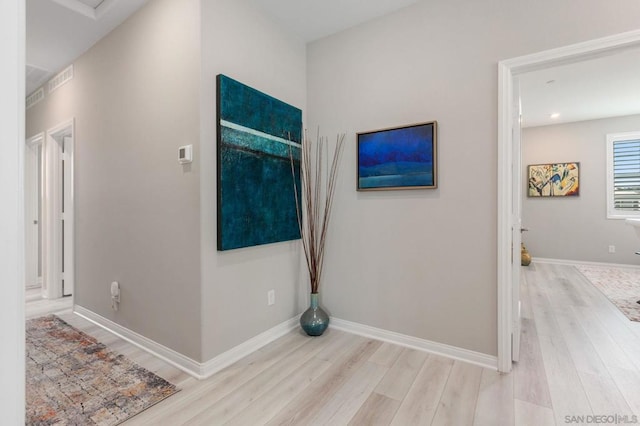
(67, 216)
(516, 220)
(58, 195)
(12, 122)
(33, 181)
(508, 70)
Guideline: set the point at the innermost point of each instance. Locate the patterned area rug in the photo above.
(72, 379)
(620, 285)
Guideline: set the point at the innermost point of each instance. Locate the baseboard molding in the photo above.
(174, 358)
(582, 263)
(472, 357)
(194, 368)
(33, 297)
(234, 354)
(205, 370)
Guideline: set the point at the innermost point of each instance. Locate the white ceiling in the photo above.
(58, 31)
(313, 19)
(604, 87)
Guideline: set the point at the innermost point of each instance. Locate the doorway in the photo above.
(509, 170)
(33, 182)
(49, 208)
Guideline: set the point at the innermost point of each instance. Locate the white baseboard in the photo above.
(174, 358)
(204, 370)
(33, 297)
(472, 357)
(227, 358)
(582, 263)
(194, 368)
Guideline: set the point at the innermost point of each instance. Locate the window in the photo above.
(623, 175)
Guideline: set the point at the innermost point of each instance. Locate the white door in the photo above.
(33, 211)
(516, 222)
(58, 212)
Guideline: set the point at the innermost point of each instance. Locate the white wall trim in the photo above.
(51, 211)
(507, 72)
(568, 262)
(227, 358)
(505, 231)
(612, 139)
(207, 369)
(573, 53)
(33, 155)
(174, 358)
(472, 357)
(194, 368)
(12, 122)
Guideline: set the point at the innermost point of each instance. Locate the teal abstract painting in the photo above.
(256, 136)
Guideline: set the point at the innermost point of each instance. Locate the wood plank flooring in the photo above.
(579, 356)
(37, 306)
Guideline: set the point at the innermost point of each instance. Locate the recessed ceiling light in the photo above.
(554, 115)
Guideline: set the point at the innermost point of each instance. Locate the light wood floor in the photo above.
(37, 306)
(579, 356)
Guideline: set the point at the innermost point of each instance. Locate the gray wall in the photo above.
(135, 99)
(423, 263)
(144, 220)
(576, 228)
(239, 41)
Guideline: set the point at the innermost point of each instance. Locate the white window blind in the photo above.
(623, 188)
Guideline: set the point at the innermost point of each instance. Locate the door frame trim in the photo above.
(507, 71)
(31, 206)
(52, 235)
(12, 121)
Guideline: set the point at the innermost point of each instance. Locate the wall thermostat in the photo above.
(185, 154)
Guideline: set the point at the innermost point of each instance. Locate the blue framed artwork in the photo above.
(398, 158)
(256, 136)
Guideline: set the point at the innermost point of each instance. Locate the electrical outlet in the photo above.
(115, 295)
(612, 249)
(271, 297)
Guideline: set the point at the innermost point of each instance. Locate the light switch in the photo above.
(185, 154)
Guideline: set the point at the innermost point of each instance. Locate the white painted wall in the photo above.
(240, 42)
(423, 263)
(135, 98)
(12, 30)
(576, 228)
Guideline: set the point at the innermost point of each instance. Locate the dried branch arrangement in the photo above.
(317, 192)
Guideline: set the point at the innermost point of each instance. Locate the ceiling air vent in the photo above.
(60, 79)
(35, 78)
(35, 97)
